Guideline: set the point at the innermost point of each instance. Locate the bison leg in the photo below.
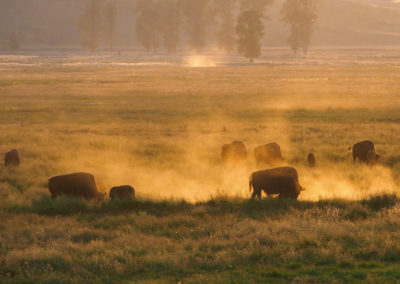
(354, 157)
(287, 195)
(256, 194)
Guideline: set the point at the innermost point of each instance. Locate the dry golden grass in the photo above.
(160, 129)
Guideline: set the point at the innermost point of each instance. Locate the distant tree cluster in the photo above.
(157, 23)
(164, 22)
(300, 15)
(228, 24)
(97, 20)
(13, 42)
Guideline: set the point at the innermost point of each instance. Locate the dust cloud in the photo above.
(198, 61)
(191, 168)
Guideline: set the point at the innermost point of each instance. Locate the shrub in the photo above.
(378, 202)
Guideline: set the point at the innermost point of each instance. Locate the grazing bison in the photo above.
(122, 192)
(269, 154)
(75, 185)
(11, 159)
(311, 160)
(234, 152)
(361, 149)
(283, 181)
(372, 158)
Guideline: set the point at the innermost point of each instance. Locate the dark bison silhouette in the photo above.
(75, 185)
(268, 154)
(311, 160)
(234, 152)
(122, 192)
(11, 158)
(283, 181)
(361, 150)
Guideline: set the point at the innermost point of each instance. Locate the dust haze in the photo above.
(146, 92)
(183, 161)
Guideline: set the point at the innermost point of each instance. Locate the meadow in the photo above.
(160, 127)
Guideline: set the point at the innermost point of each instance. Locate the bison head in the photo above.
(372, 157)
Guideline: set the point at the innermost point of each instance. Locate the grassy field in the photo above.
(160, 129)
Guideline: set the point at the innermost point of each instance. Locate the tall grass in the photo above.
(160, 129)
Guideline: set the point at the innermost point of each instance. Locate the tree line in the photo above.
(231, 25)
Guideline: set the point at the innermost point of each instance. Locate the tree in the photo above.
(110, 15)
(250, 30)
(147, 25)
(13, 42)
(300, 15)
(256, 5)
(91, 23)
(197, 19)
(169, 20)
(226, 36)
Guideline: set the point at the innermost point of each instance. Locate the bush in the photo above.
(378, 202)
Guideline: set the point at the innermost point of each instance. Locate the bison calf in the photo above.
(311, 160)
(11, 159)
(75, 185)
(283, 181)
(122, 192)
(372, 158)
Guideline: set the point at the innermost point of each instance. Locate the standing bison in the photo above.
(11, 158)
(268, 154)
(311, 160)
(122, 192)
(75, 185)
(283, 181)
(234, 152)
(364, 151)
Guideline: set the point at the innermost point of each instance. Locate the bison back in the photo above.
(234, 152)
(74, 185)
(268, 153)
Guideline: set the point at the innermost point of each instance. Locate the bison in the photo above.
(361, 149)
(75, 185)
(234, 152)
(283, 181)
(122, 192)
(269, 154)
(311, 160)
(11, 158)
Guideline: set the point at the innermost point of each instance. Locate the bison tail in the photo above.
(349, 148)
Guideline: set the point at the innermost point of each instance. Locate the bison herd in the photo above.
(280, 181)
(284, 181)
